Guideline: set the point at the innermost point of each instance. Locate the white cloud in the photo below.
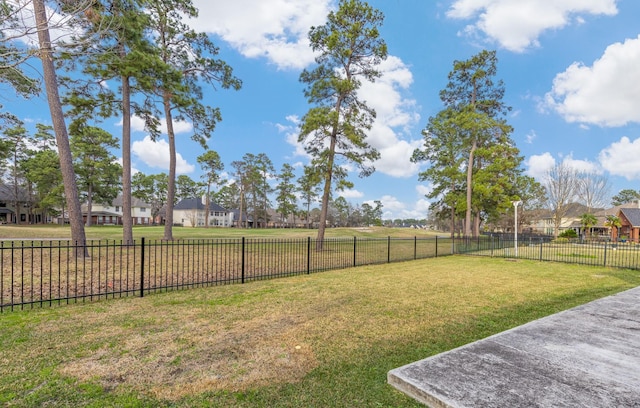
(423, 190)
(179, 126)
(272, 29)
(530, 137)
(25, 31)
(621, 158)
(517, 24)
(582, 165)
(350, 194)
(156, 155)
(605, 93)
(392, 208)
(395, 114)
(389, 203)
(291, 131)
(539, 165)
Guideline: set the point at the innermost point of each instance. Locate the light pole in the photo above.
(515, 224)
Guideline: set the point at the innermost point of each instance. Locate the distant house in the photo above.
(191, 212)
(542, 222)
(14, 206)
(276, 220)
(629, 224)
(104, 214)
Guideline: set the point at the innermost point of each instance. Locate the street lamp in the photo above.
(515, 222)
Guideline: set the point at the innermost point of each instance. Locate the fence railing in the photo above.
(44, 273)
(587, 252)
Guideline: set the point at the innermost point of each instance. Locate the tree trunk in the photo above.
(127, 220)
(171, 188)
(324, 209)
(89, 206)
(59, 127)
(207, 206)
(467, 218)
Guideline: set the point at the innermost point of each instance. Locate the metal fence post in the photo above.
(436, 246)
(354, 251)
(605, 254)
(541, 243)
(388, 249)
(242, 264)
(308, 255)
(141, 265)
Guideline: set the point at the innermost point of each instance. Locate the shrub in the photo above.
(570, 233)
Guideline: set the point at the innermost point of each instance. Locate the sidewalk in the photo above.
(588, 356)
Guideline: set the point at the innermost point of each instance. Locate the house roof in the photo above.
(633, 215)
(8, 193)
(615, 210)
(197, 204)
(135, 202)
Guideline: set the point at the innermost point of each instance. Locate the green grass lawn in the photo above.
(19, 232)
(320, 340)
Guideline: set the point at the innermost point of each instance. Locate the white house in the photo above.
(112, 214)
(190, 212)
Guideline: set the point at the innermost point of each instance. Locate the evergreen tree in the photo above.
(188, 57)
(211, 166)
(309, 188)
(97, 171)
(286, 197)
(349, 49)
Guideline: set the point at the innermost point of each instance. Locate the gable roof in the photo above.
(197, 204)
(615, 210)
(632, 215)
(135, 202)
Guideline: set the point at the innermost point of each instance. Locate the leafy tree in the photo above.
(625, 196)
(211, 166)
(151, 189)
(43, 171)
(308, 186)
(189, 58)
(114, 45)
(241, 174)
(97, 171)
(349, 49)
(186, 187)
(372, 214)
(256, 169)
(479, 115)
(343, 211)
(15, 141)
(228, 196)
(443, 150)
(12, 58)
(286, 197)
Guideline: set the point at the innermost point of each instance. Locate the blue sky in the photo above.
(571, 71)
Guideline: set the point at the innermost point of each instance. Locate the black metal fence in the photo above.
(585, 252)
(44, 273)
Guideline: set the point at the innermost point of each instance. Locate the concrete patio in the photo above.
(588, 356)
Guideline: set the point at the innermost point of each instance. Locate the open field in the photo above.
(18, 232)
(319, 340)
